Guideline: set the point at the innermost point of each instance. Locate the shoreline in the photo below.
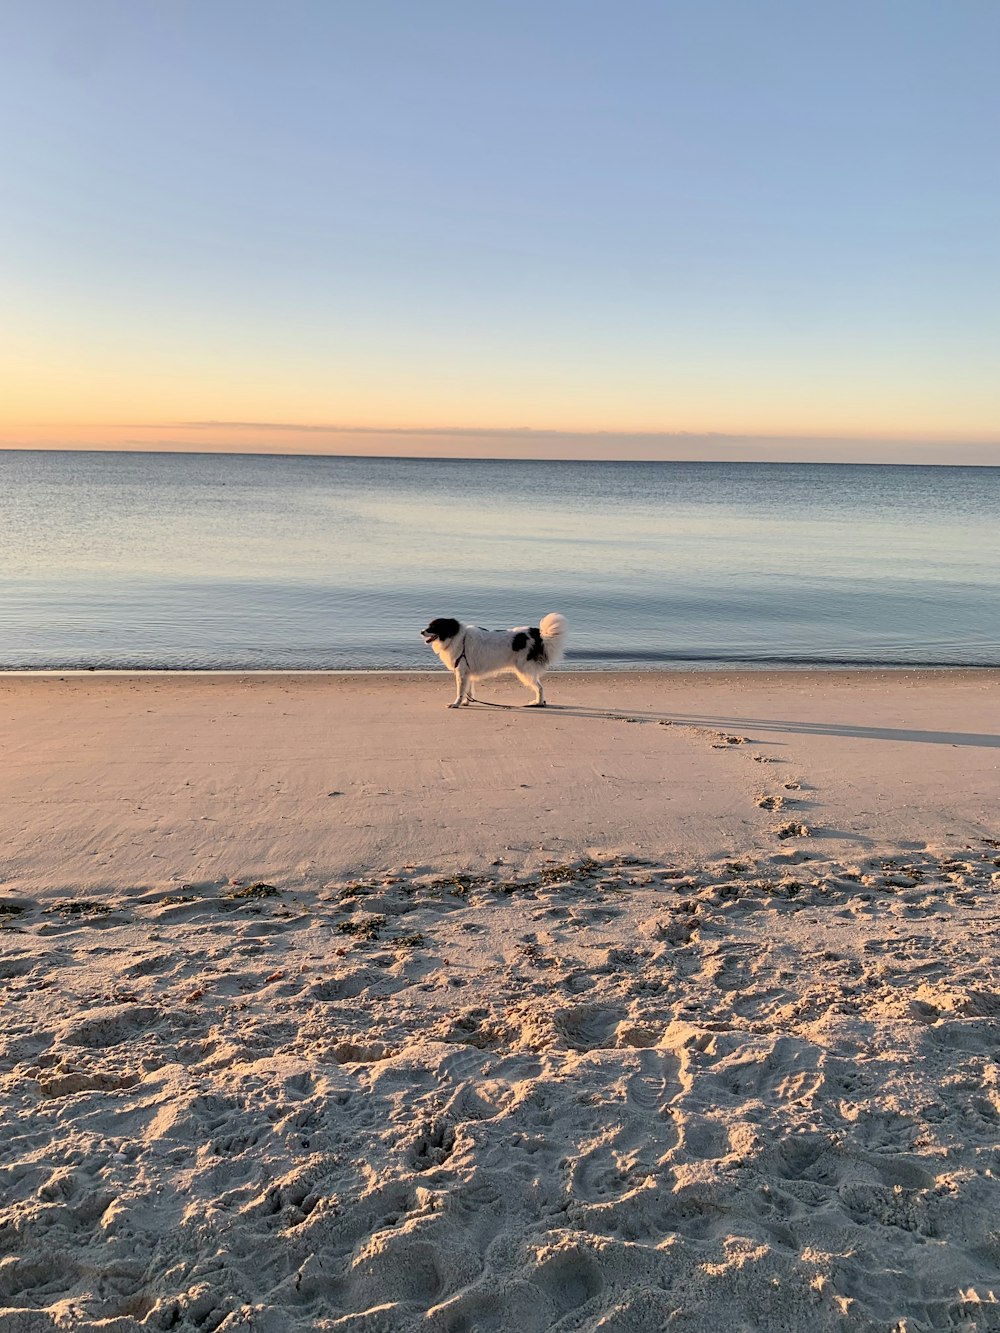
(723, 668)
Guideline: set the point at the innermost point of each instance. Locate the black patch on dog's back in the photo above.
(443, 628)
(536, 653)
(518, 641)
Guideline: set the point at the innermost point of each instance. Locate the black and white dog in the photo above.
(473, 653)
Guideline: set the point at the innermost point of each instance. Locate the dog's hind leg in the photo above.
(533, 683)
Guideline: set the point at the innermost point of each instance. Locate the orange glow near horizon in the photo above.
(66, 387)
(115, 402)
(451, 441)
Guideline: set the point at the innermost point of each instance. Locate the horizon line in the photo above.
(299, 438)
(485, 458)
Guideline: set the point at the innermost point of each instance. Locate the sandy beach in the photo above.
(673, 1005)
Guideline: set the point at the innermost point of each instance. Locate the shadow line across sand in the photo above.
(776, 726)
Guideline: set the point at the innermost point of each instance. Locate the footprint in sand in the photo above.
(586, 1027)
(793, 830)
(433, 1145)
(100, 1028)
(655, 1081)
(568, 1276)
(771, 802)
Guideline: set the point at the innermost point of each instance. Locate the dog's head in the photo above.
(443, 629)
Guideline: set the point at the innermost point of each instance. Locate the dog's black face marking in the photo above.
(518, 641)
(536, 653)
(443, 628)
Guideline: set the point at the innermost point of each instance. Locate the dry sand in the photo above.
(675, 1005)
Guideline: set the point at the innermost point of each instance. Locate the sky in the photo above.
(556, 228)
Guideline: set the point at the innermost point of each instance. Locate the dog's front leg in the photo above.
(461, 686)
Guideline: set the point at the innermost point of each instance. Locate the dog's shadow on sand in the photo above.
(773, 726)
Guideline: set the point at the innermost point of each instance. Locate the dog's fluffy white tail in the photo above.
(553, 631)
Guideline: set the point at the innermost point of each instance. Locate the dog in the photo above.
(472, 653)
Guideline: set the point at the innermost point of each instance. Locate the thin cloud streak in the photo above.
(474, 432)
(544, 433)
(529, 443)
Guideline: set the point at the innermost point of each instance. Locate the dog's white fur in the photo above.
(473, 653)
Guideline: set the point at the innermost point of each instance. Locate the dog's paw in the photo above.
(456, 704)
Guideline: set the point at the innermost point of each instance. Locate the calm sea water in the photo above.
(240, 561)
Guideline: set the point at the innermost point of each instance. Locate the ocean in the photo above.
(251, 562)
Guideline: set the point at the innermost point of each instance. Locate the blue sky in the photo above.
(775, 219)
